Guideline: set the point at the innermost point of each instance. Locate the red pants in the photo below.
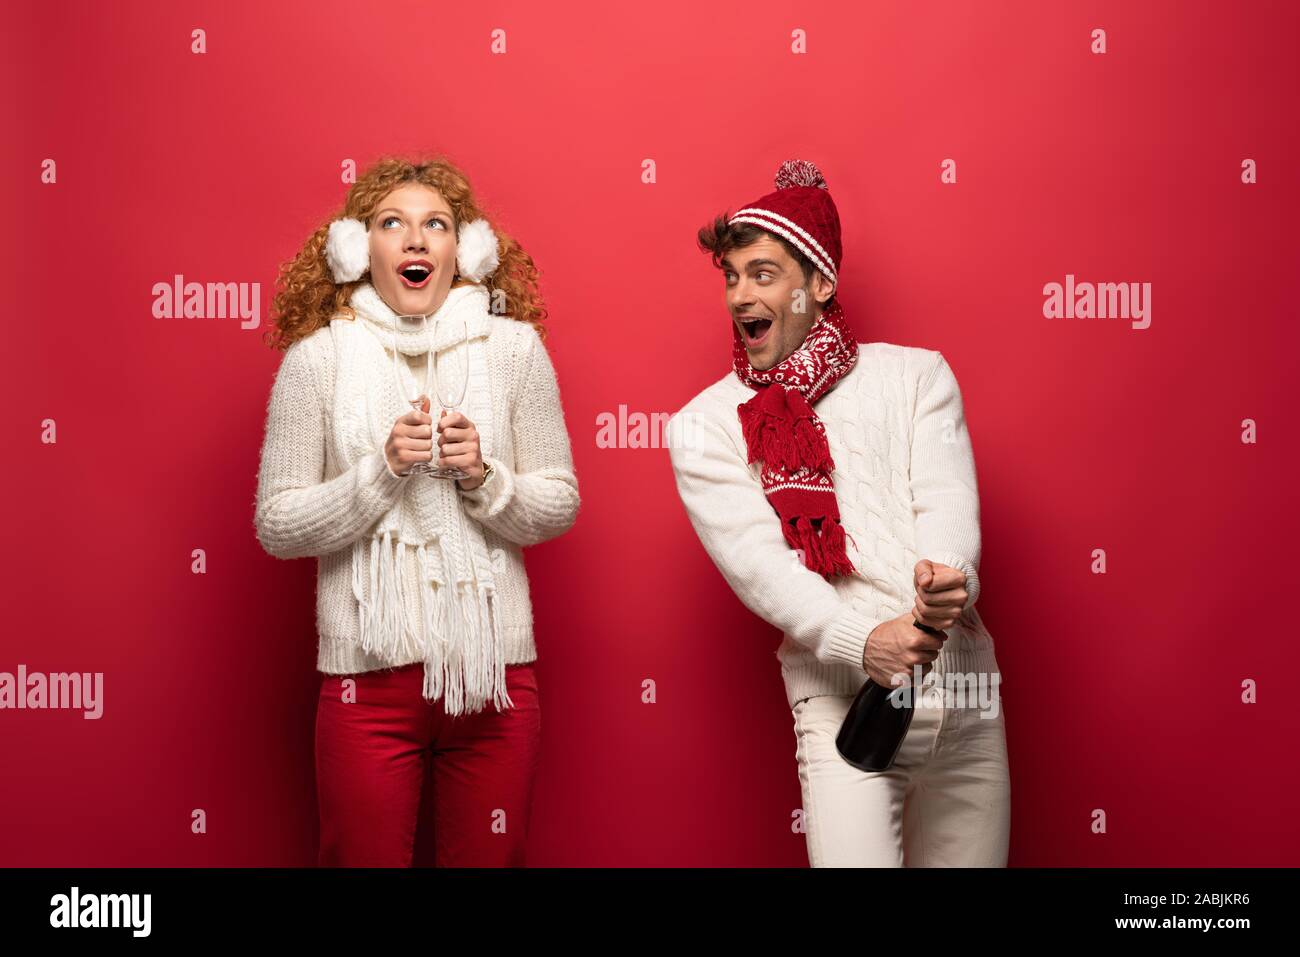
(370, 767)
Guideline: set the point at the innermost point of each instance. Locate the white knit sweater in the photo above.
(905, 482)
(306, 505)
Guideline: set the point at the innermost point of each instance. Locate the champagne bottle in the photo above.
(878, 720)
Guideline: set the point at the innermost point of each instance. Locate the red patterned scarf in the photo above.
(784, 433)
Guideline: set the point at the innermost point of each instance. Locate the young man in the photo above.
(833, 484)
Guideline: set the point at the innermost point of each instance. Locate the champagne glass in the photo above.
(451, 377)
(416, 402)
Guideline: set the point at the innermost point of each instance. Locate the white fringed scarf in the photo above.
(458, 636)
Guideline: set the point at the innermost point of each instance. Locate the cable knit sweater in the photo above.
(905, 481)
(306, 505)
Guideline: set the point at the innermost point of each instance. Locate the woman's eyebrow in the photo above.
(432, 212)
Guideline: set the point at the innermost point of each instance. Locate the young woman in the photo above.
(423, 614)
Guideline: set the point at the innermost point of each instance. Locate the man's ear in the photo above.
(822, 288)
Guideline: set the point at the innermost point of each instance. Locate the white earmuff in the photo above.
(347, 250)
(477, 250)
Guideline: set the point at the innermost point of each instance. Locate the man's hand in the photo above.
(940, 594)
(895, 646)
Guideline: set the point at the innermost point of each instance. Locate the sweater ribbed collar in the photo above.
(468, 303)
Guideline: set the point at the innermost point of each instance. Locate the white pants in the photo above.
(946, 802)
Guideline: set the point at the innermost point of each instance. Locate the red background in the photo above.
(1122, 691)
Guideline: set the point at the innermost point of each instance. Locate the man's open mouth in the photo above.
(415, 274)
(756, 330)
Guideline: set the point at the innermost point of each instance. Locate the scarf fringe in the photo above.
(460, 667)
(822, 544)
(784, 439)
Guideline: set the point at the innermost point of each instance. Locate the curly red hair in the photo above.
(307, 297)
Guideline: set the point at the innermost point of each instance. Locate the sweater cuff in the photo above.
(953, 560)
(489, 498)
(384, 477)
(845, 639)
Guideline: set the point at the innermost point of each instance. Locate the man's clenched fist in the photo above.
(940, 594)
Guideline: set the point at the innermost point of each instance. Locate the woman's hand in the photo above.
(459, 448)
(410, 441)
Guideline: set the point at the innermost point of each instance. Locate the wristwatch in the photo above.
(488, 472)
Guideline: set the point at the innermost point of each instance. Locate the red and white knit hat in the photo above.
(801, 211)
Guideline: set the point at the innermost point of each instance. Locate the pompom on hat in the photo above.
(802, 212)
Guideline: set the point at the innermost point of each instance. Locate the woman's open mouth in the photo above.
(415, 273)
(756, 331)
